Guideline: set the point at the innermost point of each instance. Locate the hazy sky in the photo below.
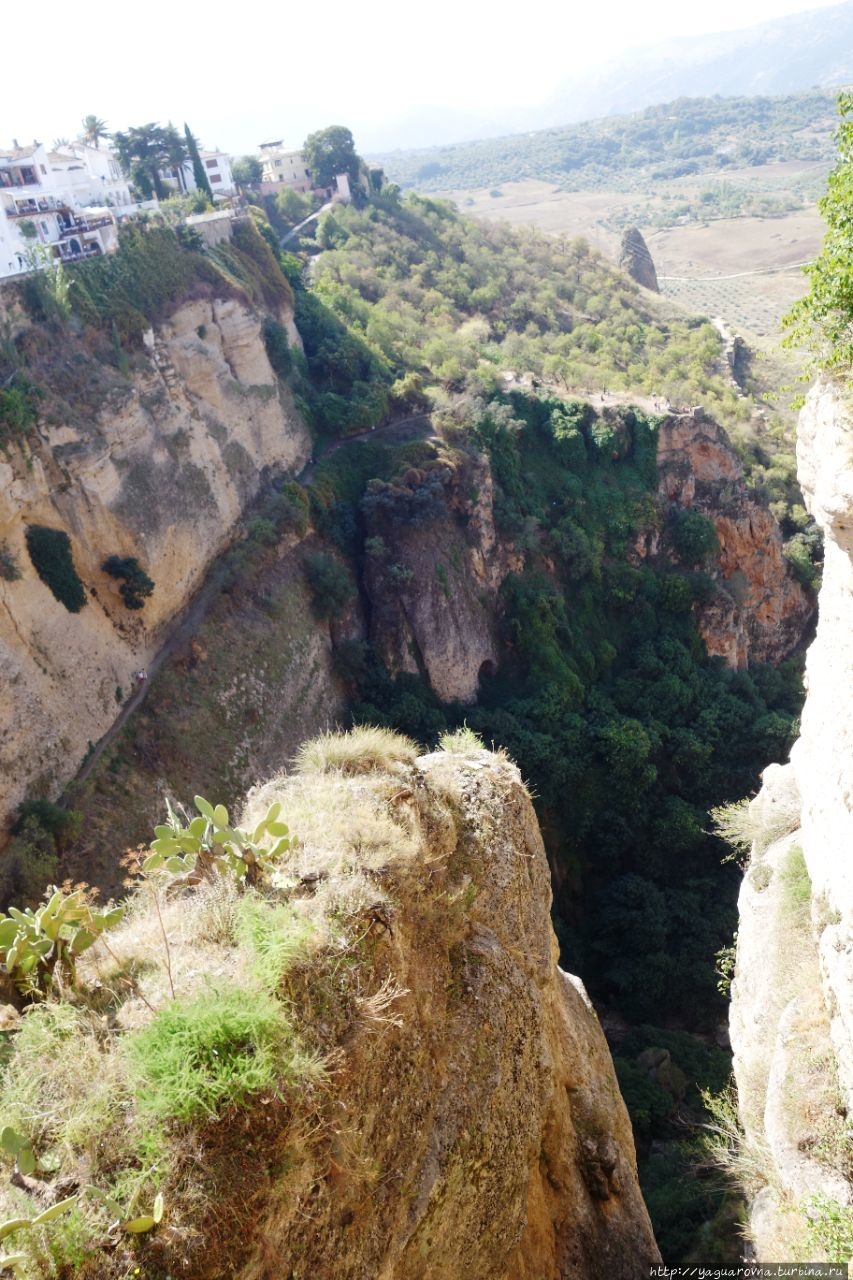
(241, 74)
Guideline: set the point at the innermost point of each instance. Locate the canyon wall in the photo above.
(161, 472)
(758, 612)
(434, 592)
(792, 996)
(479, 1132)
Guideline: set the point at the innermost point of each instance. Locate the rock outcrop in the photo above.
(480, 1132)
(634, 257)
(434, 593)
(161, 473)
(759, 611)
(792, 997)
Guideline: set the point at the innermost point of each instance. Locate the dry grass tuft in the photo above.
(365, 749)
(461, 741)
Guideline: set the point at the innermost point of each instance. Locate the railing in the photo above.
(30, 207)
(88, 251)
(84, 224)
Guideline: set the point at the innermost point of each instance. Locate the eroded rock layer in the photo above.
(161, 473)
(480, 1131)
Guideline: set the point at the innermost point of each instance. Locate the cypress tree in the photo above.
(201, 179)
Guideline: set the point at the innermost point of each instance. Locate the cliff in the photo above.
(159, 467)
(434, 588)
(758, 612)
(434, 594)
(792, 1006)
(467, 1119)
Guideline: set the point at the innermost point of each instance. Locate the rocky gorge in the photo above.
(603, 592)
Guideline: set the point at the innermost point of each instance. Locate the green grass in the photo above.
(796, 885)
(199, 1056)
(274, 936)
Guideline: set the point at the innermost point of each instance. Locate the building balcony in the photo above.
(90, 250)
(80, 225)
(30, 208)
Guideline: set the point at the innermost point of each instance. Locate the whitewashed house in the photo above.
(217, 166)
(62, 200)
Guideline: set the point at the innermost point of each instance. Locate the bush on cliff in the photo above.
(50, 553)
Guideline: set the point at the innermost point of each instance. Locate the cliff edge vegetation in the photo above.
(343, 1050)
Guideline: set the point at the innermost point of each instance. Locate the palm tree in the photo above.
(94, 129)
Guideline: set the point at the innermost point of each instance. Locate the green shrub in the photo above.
(694, 537)
(830, 1227)
(199, 1056)
(277, 347)
(330, 583)
(136, 586)
(17, 412)
(800, 553)
(50, 553)
(139, 284)
(62, 825)
(29, 863)
(290, 508)
(263, 532)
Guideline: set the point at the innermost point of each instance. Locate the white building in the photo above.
(217, 166)
(281, 166)
(62, 200)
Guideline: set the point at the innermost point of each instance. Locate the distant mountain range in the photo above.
(786, 55)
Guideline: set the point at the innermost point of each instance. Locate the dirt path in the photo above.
(306, 476)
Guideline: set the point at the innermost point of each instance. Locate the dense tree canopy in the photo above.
(145, 150)
(329, 152)
(247, 171)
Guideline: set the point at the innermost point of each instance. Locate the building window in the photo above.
(214, 177)
(211, 164)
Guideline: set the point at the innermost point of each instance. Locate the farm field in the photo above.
(745, 269)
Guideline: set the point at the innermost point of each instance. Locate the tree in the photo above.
(93, 130)
(822, 321)
(144, 150)
(292, 206)
(247, 171)
(329, 152)
(201, 179)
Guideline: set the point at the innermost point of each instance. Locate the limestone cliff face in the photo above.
(792, 998)
(759, 611)
(162, 473)
(823, 756)
(478, 1131)
(434, 595)
(433, 580)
